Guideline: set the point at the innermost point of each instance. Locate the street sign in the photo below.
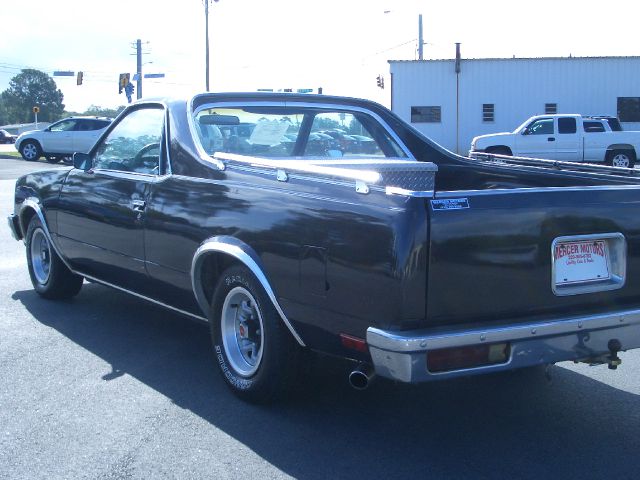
(36, 110)
(65, 73)
(154, 75)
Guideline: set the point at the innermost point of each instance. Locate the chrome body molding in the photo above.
(527, 190)
(509, 160)
(402, 355)
(310, 165)
(151, 300)
(409, 193)
(241, 252)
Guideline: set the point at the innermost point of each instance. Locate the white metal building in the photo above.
(497, 95)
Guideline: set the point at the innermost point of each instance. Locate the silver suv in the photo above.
(62, 139)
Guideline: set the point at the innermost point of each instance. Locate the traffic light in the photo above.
(128, 90)
(79, 78)
(380, 80)
(123, 81)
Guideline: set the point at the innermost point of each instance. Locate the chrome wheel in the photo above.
(242, 327)
(621, 160)
(40, 256)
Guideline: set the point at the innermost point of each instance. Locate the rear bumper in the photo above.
(403, 355)
(14, 226)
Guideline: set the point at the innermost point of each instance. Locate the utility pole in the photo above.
(420, 39)
(206, 46)
(139, 67)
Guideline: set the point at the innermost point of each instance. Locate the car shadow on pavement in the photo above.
(510, 425)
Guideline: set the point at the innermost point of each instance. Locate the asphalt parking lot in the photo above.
(106, 386)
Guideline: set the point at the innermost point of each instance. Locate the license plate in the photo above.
(581, 262)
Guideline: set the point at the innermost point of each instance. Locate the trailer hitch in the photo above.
(614, 347)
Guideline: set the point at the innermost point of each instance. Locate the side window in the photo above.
(567, 125)
(134, 144)
(543, 126)
(63, 126)
(593, 127)
(83, 126)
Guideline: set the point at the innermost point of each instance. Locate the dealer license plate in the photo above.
(581, 262)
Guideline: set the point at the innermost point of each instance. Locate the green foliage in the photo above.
(325, 123)
(4, 115)
(28, 89)
(96, 111)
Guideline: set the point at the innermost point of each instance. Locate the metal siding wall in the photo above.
(519, 88)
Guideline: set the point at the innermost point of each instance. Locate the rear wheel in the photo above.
(30, 151)
(254, 350)
(621, 158)
(49, 275)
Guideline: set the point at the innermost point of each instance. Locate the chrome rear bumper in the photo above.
(402, 355)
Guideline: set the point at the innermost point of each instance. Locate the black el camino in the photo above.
(244, 211)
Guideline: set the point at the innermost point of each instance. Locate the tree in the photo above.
(96, 111)
(32, 88)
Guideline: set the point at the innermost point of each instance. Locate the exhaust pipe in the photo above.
(362, 376)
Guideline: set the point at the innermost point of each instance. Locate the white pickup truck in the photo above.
(573, 138)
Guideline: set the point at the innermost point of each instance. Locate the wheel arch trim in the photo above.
(33, 203)
(621, 146)
(243, 253)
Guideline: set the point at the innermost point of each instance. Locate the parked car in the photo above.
(415, 264)
(565, 137)
(61, 139)
(6, 137)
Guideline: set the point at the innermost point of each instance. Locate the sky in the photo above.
(339, 45)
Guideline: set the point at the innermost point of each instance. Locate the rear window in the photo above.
(593, 127)
(292, 131)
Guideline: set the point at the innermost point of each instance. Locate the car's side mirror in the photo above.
(82, 161)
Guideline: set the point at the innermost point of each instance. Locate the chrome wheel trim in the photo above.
(620, 160)
(30, 151)
(40, 256)
(242, 327)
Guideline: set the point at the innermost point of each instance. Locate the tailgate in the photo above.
(491, 254)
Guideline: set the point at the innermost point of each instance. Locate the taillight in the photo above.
(472, 356)
(353, 343)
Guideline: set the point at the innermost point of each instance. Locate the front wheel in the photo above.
(254, 350)
(49, 275)
(621, 158)
(30, 151)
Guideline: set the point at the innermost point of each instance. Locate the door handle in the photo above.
(138, 205)
(551, 139)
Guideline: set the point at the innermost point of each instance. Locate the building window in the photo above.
(550, 108)
(629, 109)
(425, 115)
(487, 112)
